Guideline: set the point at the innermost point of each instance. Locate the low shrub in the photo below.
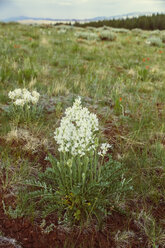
(107, 35)
(154, 41)
(120, 30)
(62, 31)
(93, 29)
(163, 37)
(87, 35)
(155, 32)
(137, 30)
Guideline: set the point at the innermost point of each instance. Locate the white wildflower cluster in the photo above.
(21, 97)
(77, 131)
(103, 149)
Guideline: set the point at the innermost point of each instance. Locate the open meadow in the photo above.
(82, 136)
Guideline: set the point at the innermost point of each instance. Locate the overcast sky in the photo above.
(76, 8)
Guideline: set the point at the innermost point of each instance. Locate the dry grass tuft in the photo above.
(122, 239)
(28, 141)
(32, 82)
(131, 72)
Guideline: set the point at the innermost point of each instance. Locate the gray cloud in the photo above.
(76, 8)
(4, 2)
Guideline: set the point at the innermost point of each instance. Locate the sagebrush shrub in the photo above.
(120, 30)
(107, 35)
(87, 35)
(155, 32)
(62, 31)
(137, 30)
(163, 37)
(154, 41)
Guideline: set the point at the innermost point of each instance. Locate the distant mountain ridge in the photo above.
(99, 18)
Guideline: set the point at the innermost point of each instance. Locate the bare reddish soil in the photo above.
(29, 234)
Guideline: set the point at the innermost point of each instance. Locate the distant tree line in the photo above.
(155, 21)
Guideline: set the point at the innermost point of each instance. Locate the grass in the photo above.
(122, 81)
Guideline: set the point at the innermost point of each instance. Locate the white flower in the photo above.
(77, 131)
(15, 94)
(103, 149)
(19, 102)
(35, 97)
(26, 95)
(11, 95)
(23, 96)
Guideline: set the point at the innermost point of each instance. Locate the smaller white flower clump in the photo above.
(77, 131)
(103, 149)
(21, 97)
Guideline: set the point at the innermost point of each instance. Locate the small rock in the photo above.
(8, 243)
